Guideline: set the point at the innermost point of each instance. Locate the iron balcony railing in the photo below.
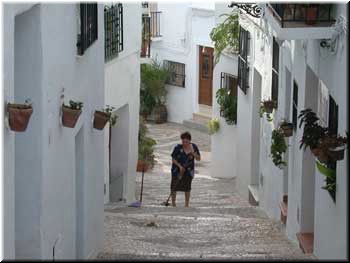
(144, 4)
(146, 36)
(155, 24)
(292, 15)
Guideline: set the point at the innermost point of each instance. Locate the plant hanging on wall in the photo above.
(228, 105)
(213, 126)
(287, 128)
(267, 106)
(278, 148)
(104, 116)
(19, 115)
(146, 158)
(226, 35)
(71, 113)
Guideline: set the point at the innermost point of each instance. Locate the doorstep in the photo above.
(253, 194)
(306, 242)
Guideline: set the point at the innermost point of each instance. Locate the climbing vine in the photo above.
(226, 35)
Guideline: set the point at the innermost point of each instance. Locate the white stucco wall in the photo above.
(59, 218)
(183, 28)
(122, 87)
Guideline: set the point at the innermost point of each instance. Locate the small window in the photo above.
(229, 82)
(176, 73)
(206, 67)
(295, 105)
(88, 27)
(243, 69)
(113, 30)
(275, 71)
(332, 129)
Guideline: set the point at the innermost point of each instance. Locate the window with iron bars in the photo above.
(88, 27)
(243, 69)
(176, 73)
(229, 82)
(275, 71)
(114, 42)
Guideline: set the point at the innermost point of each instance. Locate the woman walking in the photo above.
(182, 170)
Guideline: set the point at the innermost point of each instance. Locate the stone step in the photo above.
(201, 117)
(196, 125)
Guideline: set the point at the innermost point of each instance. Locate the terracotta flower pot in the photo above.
(69, 116)
(337, 154)
(142, 165)
(287, 130)
(316, 151)
(160, 114)
(311, 15)
(19, 115)
(100, 119)
(269, 106)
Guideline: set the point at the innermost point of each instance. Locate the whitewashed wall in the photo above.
(122, 85)
(224, 142)
(50, 200)
(183, 27)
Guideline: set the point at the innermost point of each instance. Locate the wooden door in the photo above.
(205, 94)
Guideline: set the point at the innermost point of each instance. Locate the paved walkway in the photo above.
(219, 224)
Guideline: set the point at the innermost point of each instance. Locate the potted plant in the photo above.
(313, 132)
(153, 91)
(146, 148)
(213, 125)
(269, 105)
(287, 128)
(19, 115)
(333, 146)
(228, 105)
(310, 12)
(71, 113)
(330, 180)
(104, 116)
(278, 147)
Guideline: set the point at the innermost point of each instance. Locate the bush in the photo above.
(213, 126)
(228, 105)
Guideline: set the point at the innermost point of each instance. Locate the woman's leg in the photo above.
(173, 198)
(187, 198)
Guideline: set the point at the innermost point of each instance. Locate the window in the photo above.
(88, 27)
(113, 30)
(229, 82)
(243, 69)
(332, 129)
(275, 69)
(295, 105)
(206, 67)
(177, 73)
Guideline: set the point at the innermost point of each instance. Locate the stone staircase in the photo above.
(200, 119)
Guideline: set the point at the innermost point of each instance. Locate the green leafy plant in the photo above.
(228, 105)
(152, 91)
(313, 132)
(278, 147)
(146, 144)
(112, 116)
(213, 125)
(330, 178)
(226, 35)
(74, 105)
(267, 106)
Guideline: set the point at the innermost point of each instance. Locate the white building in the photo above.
(54, 175)
(290, 53)
(122, 86)
(180, 40)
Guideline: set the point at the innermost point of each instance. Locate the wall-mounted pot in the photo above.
(19, 115)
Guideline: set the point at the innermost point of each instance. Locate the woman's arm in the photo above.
(196, 155)
(181, 168)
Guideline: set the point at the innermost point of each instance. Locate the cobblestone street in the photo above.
(219, 224)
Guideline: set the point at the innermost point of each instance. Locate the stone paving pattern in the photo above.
(219, 224)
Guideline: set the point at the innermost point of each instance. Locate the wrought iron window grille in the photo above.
(176, 73)
(243, 68)
(88, 27)
(114, 37)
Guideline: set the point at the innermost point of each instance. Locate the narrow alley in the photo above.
(218, 224)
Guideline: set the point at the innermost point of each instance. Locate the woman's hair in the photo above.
(186, 135)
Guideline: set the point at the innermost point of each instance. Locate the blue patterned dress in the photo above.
(187, 161)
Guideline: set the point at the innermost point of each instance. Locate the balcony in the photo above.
(301, 21)
(155, 24)
(146, 37)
